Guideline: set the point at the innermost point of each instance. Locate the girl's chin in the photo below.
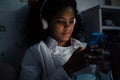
(66, 38)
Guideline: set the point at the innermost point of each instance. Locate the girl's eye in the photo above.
(65, 22)
(71, 21)
(60, 22)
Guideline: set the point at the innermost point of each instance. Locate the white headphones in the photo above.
(44, 22)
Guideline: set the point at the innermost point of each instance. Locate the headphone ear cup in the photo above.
(74, 21)
(44, 23)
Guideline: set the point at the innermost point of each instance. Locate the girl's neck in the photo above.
(64, 44)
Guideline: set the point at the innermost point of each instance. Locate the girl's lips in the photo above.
(67, 34)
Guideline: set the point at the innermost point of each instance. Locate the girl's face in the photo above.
(62, 25)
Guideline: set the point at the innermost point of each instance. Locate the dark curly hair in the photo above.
(51, 7)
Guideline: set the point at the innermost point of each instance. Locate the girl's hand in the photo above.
(81, 58)
(77, 61)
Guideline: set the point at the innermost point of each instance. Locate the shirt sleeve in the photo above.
(105, 76)
(59, 74)
(31, 69)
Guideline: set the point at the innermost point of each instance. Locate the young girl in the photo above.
(59, 56)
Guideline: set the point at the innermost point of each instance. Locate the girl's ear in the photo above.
(44, 23)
